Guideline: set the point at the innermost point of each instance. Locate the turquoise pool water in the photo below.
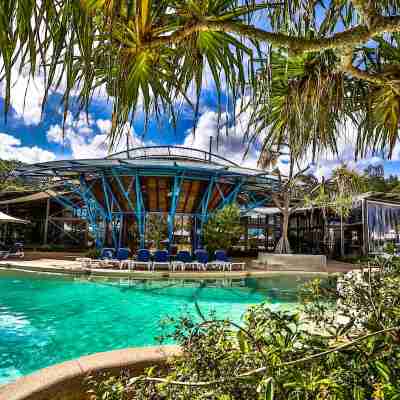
(46, 320)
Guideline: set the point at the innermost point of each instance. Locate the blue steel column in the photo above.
(204, 209)
(120, 216)
(125, 193)
(174, 204)
(231, 197)
(109, 214)
(140, 211)
(97, 209)
(90, 215)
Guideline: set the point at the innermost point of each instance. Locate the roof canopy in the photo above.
(4, 218)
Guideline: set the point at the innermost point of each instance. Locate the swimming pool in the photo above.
(46, 320)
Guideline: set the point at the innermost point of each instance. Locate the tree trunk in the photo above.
(283, 246)
(341, 235)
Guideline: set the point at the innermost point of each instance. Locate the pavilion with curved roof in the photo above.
(117, 194)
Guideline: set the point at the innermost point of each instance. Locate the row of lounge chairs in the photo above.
(14, 251)
(161, 260)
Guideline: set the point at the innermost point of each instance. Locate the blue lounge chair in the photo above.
(222, 261)
(202, 259)
(122, 256)
(183, 258)
(143, 258)
(161, 258)
(107, 253)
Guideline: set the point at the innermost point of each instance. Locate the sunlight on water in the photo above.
(46, 320)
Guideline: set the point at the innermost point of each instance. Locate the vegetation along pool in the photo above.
(46, 320)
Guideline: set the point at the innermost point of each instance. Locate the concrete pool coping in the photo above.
(69, 267)
(66, 381)
(154, 275)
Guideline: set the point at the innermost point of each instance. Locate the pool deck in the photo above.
(65, 263)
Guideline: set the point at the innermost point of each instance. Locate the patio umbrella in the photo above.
(4, 218)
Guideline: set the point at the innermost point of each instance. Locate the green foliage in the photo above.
(382, 184)
(107, 388)
(344, 343)
(144, 53)
(302, 103)
(223, 229)
(153, 55)
(156, 229)
(7, 180)
(337, 193)
(93, 253)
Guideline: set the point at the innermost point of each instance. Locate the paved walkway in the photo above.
(66, 263)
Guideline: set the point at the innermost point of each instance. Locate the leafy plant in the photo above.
(344, 343)
(223, 229)
(156, 229)
(338, 57)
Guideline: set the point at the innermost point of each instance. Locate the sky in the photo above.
(31, 136)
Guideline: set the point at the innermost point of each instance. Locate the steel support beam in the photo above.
(176, 191)
(231, 197)
(109, 218)
(94, 208)
(140, 211)
(204, 206)
(255, 204)
(125, 192)
(113, 198)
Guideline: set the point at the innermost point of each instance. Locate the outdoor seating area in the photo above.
(16, 250)
(159, 260)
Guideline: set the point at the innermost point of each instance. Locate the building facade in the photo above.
(127, 196)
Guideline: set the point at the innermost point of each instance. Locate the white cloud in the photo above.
(80, 137)
(26, 98)
(228, 142)
(328, 162)
(55, 134)
(233, 146)
(27, 92)
(11, 149)
(104, 125)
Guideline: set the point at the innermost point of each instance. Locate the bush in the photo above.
(93, 253)
(223, 229)
(343, 343)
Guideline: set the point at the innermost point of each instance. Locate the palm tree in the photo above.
(153, 55)
(303, 103)
(337, 194)
(144, 53)
(293, 188)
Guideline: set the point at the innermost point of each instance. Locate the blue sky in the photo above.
(31, 137)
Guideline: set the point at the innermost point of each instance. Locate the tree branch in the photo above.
(348, 67)
(350, 37)
(367, 10)
(264, 369)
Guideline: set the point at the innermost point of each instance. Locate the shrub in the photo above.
(223, 229)
(343, 343)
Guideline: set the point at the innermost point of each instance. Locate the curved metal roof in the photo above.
(152, 158)
(154, 172)
(172, 153)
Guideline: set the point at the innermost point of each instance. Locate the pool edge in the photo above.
(67, 380)
(160, 274)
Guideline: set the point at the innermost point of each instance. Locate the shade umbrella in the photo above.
(4, 218)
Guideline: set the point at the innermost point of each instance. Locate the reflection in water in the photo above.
(46, 320)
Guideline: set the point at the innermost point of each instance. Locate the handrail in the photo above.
(150, 152)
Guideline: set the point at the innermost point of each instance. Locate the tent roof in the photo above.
(32, 197)
(4, 218)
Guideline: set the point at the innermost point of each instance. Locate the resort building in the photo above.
(373, 222)
(165, 194)
(122, 197)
